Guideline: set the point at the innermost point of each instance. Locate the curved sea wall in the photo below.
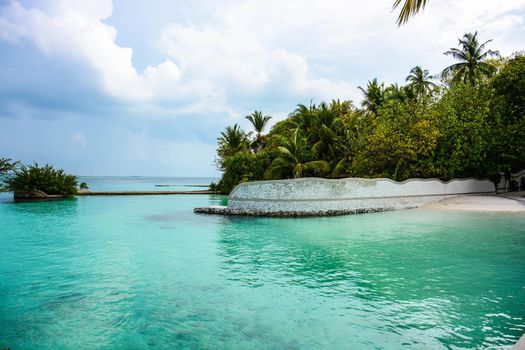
(315, 196)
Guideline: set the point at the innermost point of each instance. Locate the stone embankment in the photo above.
(322, 197)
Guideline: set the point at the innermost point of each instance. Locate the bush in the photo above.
(214, 187)
(242, 167)
(29, 179)
(84, 186)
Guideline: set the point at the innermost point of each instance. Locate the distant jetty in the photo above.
(139, 193)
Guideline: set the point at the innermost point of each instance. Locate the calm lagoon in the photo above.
(146, 272)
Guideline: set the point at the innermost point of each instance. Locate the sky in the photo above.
(101, 87)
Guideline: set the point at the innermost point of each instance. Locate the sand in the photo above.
(508, 202)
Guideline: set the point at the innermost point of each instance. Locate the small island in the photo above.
(33, 182)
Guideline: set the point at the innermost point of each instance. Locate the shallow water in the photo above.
(145, 272)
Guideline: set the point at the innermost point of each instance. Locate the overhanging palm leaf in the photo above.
(409, 8)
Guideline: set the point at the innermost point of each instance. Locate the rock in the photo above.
(36, 195)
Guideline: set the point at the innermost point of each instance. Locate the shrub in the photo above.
(214, 187)
(31, 178)
(84, 186)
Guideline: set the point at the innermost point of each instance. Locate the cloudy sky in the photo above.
(122, 87)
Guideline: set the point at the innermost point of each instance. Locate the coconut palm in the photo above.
(259, 122)
(288, 163)
(231, 141)
(303, 117)
(409, 8)
(324, 135)
(420, 81)
(396, 92)
(472, 66)
(374, 96)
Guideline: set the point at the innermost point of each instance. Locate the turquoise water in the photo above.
(145, 272)
(145, 183)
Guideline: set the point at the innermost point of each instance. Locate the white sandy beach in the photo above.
(508, 202)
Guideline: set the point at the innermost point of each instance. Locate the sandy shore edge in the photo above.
(507, 202)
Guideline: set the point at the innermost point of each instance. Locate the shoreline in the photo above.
(511, 202)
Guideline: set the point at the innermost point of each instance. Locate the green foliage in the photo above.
(462, 115)
(508, 111)
(242, 167)
(7, 165)
(231, 141)
(399, 144)
(420, 81)
(290, 163)
(84, 186)
(259, 122)
(470, 125)
(473, 66)
(29, 178)
(214, 187)
(374, 96)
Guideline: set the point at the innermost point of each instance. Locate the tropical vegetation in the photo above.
(468, 121)
(29, 179)
(7, 165)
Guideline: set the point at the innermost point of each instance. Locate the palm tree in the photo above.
(303, 117)
(324, 135)
(289, 164)
(420, 81)
(231, 141)
(374, 96)
(472, 66)
(259, 122)
(409, 8)
(395, 92)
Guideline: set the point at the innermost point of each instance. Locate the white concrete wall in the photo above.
(315, 196)
(352, 188)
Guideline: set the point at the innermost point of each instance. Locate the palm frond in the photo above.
(409, 8)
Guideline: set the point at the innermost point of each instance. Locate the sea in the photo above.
(146, 272)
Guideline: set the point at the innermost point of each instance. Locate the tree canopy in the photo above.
(469, 124)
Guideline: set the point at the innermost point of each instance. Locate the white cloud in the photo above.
(237, 60)
(215, 63)
(262, 50)
(75, 29)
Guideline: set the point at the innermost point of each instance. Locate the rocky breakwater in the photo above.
(323, 197)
